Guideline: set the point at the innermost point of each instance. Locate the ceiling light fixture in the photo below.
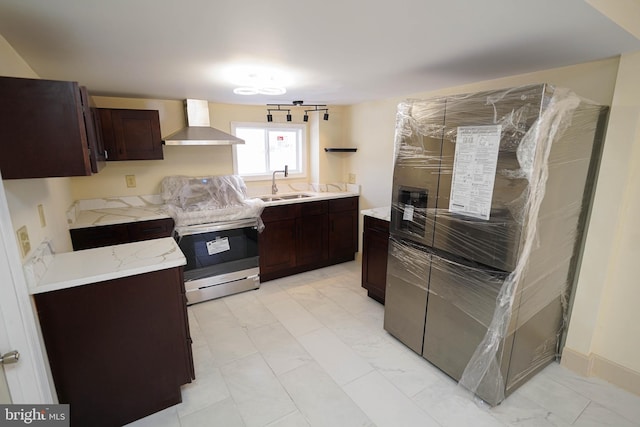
(256, 79)
(252, 90)
(297, 104)
(245, 91)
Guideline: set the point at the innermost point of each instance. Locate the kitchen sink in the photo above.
(289, 196)
(294, 196)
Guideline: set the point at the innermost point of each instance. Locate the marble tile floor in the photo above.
(310, 350)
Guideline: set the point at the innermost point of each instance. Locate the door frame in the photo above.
(28, 380)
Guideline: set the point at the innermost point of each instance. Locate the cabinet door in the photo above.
(277, 245)
(343, 229)
(311, 239)
(97, 154)
(375, 244)
(119, 350)
(42, 129)
(131, 134)
(277, 242)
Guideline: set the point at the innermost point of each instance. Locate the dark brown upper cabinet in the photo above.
(131, 134)
(97, 153)
(46, 129)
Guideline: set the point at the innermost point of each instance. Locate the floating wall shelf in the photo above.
(340, 150)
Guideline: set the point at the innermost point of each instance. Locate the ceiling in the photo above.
(329, 52)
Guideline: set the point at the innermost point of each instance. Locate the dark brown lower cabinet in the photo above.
(375, 244)
(343, 229)
(277, 242)
(304, 236)
(311, 234)
(119, 350)
(115, 234)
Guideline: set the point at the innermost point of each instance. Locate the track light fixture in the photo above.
(297, 104)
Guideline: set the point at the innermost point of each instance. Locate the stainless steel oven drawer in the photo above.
(219, 286)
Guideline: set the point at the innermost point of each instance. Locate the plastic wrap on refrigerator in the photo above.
(493, 189)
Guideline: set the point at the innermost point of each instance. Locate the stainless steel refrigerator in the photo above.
(490, 200)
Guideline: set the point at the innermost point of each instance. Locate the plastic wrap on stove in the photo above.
(201, 200)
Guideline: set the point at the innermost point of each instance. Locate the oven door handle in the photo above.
(188, 230)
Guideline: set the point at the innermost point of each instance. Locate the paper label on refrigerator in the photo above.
(218, 245)
(474, 170)
(407, 215)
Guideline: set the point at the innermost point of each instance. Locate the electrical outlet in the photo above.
(131, 180)
(43, 220)
(23, 240)
(352, 178)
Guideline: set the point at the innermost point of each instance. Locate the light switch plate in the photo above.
(23, 240)
(43, 220)
(352, 178)
(131, 180)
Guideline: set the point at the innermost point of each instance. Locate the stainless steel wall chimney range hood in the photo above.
(199, 130)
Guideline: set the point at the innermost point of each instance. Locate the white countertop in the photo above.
(94, 214)
(110, 216)
(69, 269)
(312, 196)
(383, 213)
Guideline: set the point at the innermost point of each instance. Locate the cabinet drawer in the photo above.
(154, 229)
(345, 204)
(94, 237)
(376, 224)
(107, 235)
(314, 208)
(276, 213)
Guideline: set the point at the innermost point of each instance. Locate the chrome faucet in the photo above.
(274, 188)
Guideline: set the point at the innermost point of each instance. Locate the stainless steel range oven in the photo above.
(222, 258)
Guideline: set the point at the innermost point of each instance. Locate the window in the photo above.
(267, 148)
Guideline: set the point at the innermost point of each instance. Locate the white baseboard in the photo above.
(597, 366)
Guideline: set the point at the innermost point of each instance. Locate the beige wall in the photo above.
(372, 124)
(24, 195)
(605, 319)
(196, 160)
